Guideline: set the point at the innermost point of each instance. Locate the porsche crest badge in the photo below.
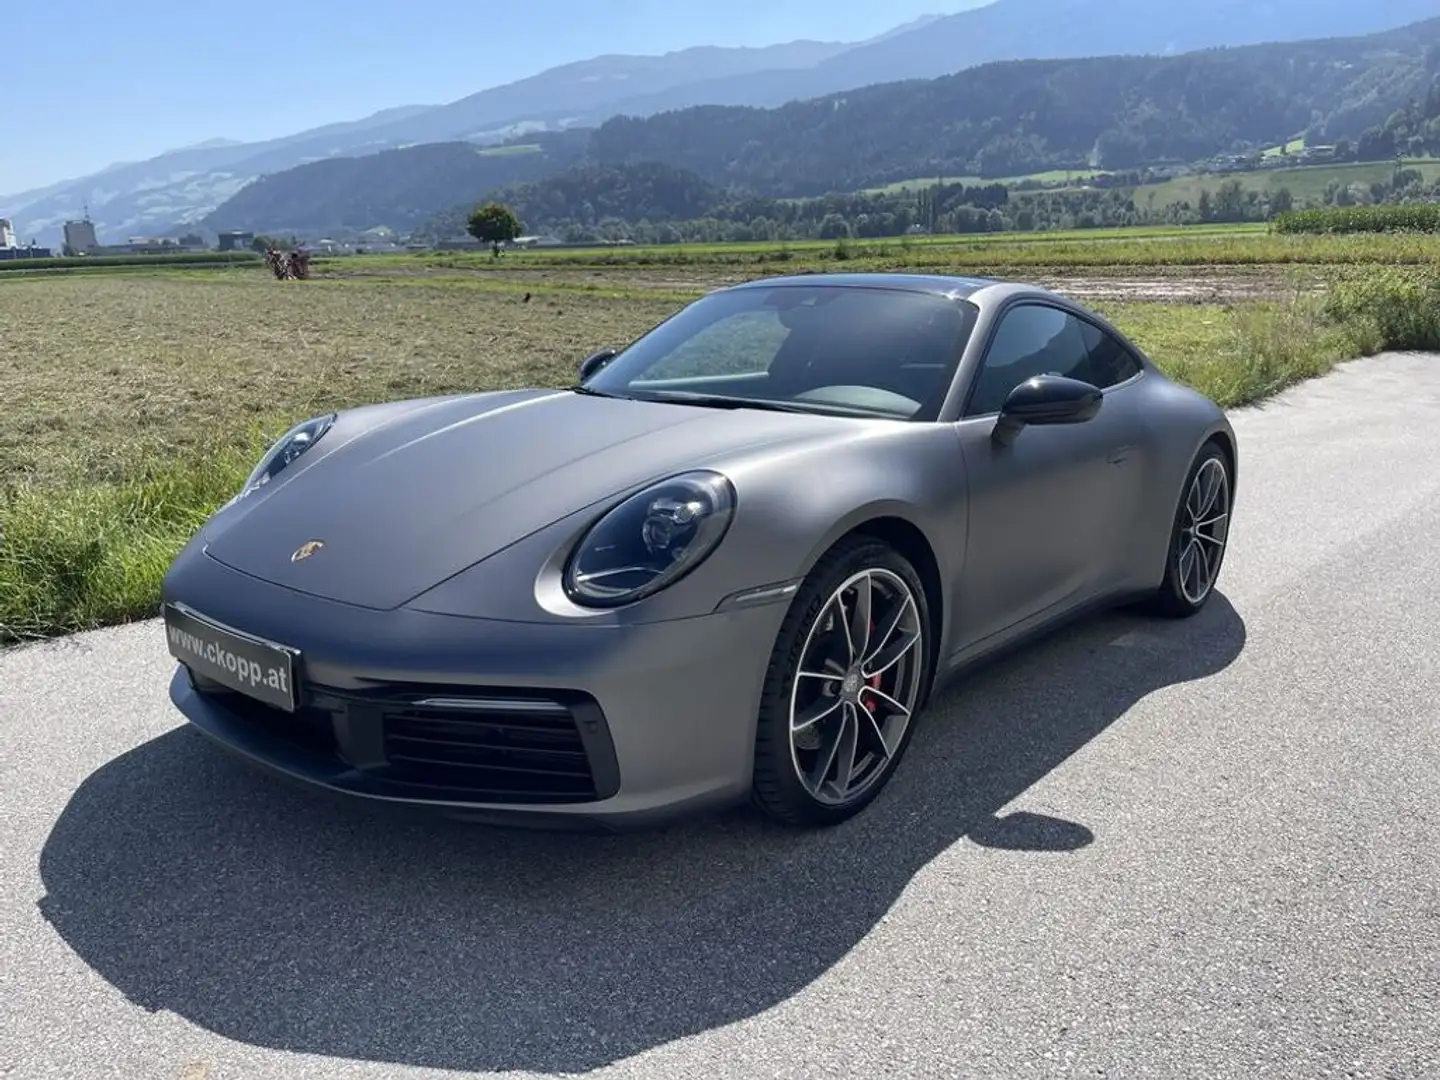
(305, 550)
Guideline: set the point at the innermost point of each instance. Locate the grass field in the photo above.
(135, 403)
(1304, 182)
(1294, 146)
(1204, 245)
(105, 375)
(1052, 176)
(511, 150)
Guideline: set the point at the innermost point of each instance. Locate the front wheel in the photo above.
(1197, 538)
(847, 675)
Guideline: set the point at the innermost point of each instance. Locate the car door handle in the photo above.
(1119, 456)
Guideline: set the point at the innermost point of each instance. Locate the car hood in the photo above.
(421, 495)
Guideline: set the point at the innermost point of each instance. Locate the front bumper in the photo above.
(513, 723)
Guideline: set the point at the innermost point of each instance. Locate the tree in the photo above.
(493, 224)
(834, 227)
(1376, 144)
(1229, 202)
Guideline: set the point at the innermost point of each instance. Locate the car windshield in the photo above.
(844, 350)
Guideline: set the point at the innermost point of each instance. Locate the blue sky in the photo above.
(86, 83)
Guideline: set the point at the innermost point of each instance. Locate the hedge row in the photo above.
(1395, 217)
(183, 258)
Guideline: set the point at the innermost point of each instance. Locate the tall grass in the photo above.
(93, 554)
(1270, 346)
(1266, 348)
(1387, 308)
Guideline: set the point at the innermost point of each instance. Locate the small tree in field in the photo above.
(493, 224)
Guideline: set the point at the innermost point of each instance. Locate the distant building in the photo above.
(469, 243)
(534, 242)
(151, 245)
(457, 243)
(80, 237)
(236, 240)
(24, 253)
(7, 233)
(369, 242)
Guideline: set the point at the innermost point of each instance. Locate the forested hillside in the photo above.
(999, 120)
(1021, 117)
(398, 188)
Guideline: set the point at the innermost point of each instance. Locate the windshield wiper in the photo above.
(591, 392)
(720, 401)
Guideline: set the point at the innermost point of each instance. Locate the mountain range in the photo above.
(182, 187)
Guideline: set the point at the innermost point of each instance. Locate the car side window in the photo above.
(1032, 339)
(1110, 362)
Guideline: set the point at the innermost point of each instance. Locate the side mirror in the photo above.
(1046, 399)
(595, 361)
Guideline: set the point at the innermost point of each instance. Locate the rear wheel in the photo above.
(848, 672)
(1197, 537)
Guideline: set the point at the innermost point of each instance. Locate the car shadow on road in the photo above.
(289, 919)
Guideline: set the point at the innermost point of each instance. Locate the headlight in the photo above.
(285, 450)
(650, 540)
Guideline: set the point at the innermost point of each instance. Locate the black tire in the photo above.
(1171, 599)
(777, 790)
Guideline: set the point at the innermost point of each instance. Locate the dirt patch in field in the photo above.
(1237, 285)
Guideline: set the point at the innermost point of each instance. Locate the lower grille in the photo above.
(445, 743)
(515, 749)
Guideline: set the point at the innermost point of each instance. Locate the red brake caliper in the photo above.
(874, 680)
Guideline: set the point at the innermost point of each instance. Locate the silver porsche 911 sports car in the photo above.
(734, 561)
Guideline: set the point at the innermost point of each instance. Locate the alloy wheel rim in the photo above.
(1204, 527)
(856, 686)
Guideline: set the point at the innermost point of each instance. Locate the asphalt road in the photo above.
(1138, 850)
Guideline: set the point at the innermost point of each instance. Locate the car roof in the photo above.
(952, 286)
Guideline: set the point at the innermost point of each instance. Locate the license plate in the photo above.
(253, 666)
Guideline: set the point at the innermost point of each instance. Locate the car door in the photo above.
(1045, 512)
